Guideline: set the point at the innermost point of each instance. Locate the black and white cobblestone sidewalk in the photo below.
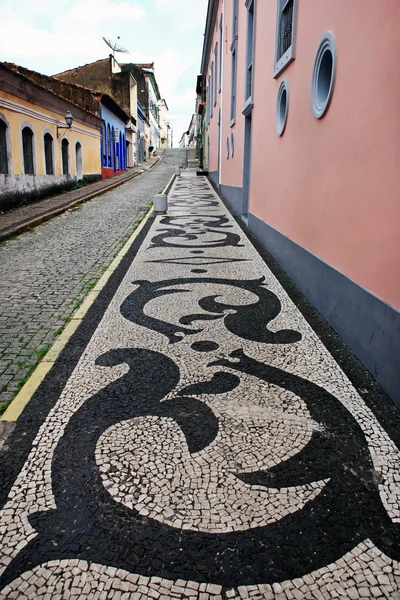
(201, 442)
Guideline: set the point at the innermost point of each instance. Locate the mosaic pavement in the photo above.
(201, 440)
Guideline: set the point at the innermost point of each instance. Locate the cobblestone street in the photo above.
(196, 438)
(45, 274)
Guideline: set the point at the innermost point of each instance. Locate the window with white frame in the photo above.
(285, 34)
(249, 53)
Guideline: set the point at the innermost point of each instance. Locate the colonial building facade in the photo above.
(302, 138)
(113, 117)
(107, 75)
(150, 99)
(152, 108)
(39, 154)
(113, 138)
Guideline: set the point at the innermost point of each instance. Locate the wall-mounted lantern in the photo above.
(68, 119)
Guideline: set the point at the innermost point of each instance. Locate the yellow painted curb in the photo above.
(25, 394)
(84, 307)
(59, 345)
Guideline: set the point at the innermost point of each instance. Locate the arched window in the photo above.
(48, 153)
(27, 150)
(3, 148)
(78, 157)
(109, 145)
(65, 156)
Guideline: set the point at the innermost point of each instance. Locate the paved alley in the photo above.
(195, 439)
(45, 274)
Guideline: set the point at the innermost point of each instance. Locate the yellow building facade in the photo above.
(39, 155)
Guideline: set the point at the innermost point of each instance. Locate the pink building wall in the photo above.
(324, 197)
(232, 168)
(333, 185)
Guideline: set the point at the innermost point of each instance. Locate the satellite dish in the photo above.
(115, 47)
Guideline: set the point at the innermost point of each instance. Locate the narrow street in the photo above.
(45, 274)
(196, 438)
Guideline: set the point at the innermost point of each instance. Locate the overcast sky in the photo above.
(51, 36)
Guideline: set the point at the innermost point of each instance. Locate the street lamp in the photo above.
(68, 119)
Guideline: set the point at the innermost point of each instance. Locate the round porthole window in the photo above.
(232, 144)
(282, 107)
(323, 77)
(227, 148)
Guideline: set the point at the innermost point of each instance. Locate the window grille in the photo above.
(27, 150)
(3, 148)
(65, 156)
(48, 154)
(285, 34)
(286, 28)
